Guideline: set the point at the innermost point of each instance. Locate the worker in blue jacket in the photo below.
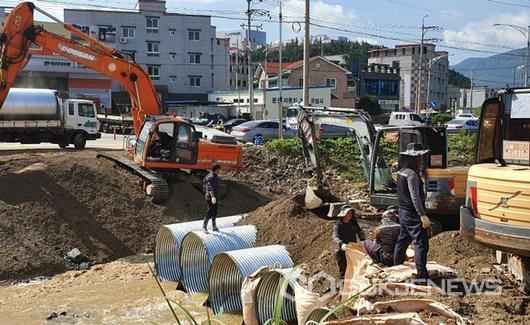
(412, 215)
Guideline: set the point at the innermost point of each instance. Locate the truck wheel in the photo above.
(80, 141)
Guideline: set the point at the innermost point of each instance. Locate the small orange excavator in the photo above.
(162, 145)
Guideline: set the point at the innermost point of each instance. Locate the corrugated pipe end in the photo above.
(168, 241)
(316, 316)
(269, 284)
(199, 249)
(229, 269)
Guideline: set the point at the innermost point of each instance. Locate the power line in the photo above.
(509, 4)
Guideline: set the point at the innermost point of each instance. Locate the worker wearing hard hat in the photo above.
(381, 250)
(412, 216)
(346, 231)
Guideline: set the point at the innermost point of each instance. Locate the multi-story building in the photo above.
(238, 69)
(470, 99)
(383, 82)
(181, 53)
(323, 73)
(407, 59)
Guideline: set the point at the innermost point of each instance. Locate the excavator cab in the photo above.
(166, 141)
(385, 162)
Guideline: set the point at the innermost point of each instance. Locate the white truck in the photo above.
(39, 115)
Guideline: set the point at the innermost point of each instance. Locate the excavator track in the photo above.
(157, 187)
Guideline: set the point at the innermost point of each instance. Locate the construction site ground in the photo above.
(54, 201)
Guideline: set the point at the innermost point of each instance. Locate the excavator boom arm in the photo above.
(309, 118)
(20, 31)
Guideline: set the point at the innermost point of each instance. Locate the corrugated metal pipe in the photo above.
(168, 241)
(229, 269)
(317, 315)
(268, 286)
(199, 249)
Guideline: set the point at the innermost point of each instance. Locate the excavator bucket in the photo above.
(312, 201)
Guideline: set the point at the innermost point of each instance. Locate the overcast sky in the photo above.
(467, 25)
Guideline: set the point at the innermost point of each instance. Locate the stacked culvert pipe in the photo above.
(168, 241)
(229, 269)
(269, 284)
(317, 315)
(199, 249)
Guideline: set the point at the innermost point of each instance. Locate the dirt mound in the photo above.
(452, 249)
(306, 236)
(54, 202)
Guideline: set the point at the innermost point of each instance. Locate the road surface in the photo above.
(107, 141)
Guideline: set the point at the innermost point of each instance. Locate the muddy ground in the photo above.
(53, 202)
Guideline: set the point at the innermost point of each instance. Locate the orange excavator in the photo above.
(162, 145)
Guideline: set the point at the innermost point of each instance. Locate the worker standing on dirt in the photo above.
(211, 194)
(346, 231)
(386, 236)
(412, 216)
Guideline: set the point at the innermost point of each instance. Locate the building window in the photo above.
(154, 72)
(195, 81)
(173, 56)
(107, 34)
(128, 32)
(194, 34)
(153, 49)
(413, 50)
(173, 79)
(331, 82)
(172, 32)
(151, 24)
(300, 82)
(195, 58)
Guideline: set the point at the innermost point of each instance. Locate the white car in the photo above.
(466, 116)
(405, 119)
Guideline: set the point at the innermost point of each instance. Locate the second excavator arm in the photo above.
(20, 31)
(309, 120)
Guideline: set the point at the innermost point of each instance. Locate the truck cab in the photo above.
(405, 119)
(80, 115)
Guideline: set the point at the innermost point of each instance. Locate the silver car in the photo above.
(458, 126)
(268, 129)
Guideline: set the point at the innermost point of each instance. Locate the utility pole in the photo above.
(249, 63)
(306, 54)
(424, 30)
(527, 55)
(418, 94)
(238, 54)
(471, 95)
(280, 76)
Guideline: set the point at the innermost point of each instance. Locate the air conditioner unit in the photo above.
(123, 40)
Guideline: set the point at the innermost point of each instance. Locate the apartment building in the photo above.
(180, 52)
(407, 59)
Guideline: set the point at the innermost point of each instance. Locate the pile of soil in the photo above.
(51, 203)
(306, 236)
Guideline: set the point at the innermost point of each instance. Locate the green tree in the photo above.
(441, 118)
(458, 80)
(369, 104)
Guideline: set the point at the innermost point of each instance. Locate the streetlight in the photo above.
(515, 70)
(431, 62)
(526, 33)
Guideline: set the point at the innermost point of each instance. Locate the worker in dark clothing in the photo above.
(211, 194)
(386, 235)
(412, 216)
(346, 231)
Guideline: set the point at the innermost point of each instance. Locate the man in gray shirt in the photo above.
(412, 216)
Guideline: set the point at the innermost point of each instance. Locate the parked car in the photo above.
(228, 125)
(268, 129)
(405, 119)
(458, 126)
(466, 116)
